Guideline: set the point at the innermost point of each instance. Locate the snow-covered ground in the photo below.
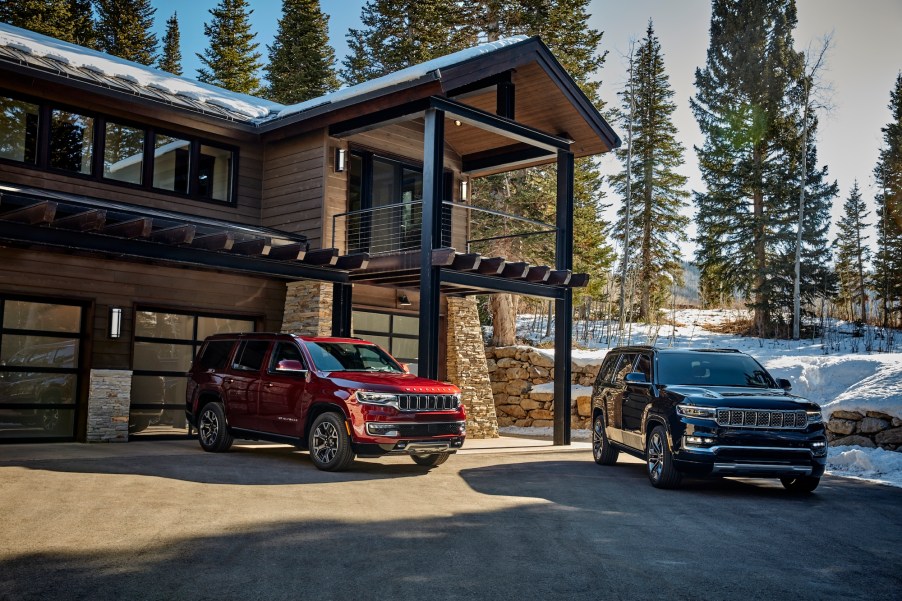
(837, 373)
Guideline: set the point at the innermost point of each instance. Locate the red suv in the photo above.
(339, 397)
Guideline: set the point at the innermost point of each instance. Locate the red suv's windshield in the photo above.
(347, 356)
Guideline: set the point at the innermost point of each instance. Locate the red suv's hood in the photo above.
(389, 382)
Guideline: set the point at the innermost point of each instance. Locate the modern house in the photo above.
(141, 212)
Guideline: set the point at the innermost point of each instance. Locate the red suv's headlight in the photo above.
(376, 398)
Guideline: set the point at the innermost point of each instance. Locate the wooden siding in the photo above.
(105, 283)
(292, 189)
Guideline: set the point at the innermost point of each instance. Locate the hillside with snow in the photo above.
(836, 371)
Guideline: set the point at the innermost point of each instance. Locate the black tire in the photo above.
(212, 431)
(659, 460)
(802, 484)
(138, 424)
(430, 460)
(602, 451)
(329, 443)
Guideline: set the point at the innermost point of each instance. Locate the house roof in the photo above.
(529, 58)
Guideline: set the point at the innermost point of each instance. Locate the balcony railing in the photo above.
(396, 228)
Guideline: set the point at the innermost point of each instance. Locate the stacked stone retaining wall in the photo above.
(869, 429)
(521, 378)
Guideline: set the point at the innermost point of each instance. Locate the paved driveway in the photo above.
(164, 520)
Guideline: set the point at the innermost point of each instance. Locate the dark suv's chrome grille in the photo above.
(427, 402)
(751, 418)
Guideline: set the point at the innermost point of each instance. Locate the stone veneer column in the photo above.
(308, 309)
(467, 367)
(109, 398)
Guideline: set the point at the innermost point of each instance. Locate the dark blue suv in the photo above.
(705, 412)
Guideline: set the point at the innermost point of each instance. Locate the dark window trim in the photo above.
(42, 163)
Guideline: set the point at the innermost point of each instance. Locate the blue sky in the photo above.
(862, 66)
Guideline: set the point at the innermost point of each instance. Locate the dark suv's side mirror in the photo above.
(636, 377)
(291, 366)
(784, 384)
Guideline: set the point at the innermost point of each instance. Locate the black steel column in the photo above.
(341, 310)
(430, 237)
(563, 308)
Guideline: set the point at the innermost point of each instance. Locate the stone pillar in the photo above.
(109, 398)
(308, 308)
(468, 369)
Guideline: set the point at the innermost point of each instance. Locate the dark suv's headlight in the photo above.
(696, 412)
(815, 417)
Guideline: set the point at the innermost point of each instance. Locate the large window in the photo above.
(52, 137)
(398, 334)
(40, 353)
(165, 344)
(18, 130)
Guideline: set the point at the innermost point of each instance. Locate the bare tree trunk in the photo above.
(504, 319)
(762, 318)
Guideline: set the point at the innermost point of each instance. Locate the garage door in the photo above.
(40, 354)
(165, 345)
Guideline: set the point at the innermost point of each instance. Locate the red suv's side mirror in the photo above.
(291, 366)
(406, 368)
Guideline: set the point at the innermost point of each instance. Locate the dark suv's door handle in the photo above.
(229, 380)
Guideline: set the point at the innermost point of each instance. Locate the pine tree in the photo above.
(125, 29)
(852, 253)
(84, 29)
(301, 61)
(171, 57)
(401, 33)
(888, 173)
(231, 61)
(656, 224)
(48, 17)
(751, 163)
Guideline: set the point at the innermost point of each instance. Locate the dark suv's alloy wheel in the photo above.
(602, 450)
(329, 443)
(659, 460)
(212, 432)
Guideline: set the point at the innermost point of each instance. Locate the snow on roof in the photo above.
(255, 109)
(402, 76)
(39, 45)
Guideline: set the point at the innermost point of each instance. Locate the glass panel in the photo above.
(384, 177)
(38, 351)
(71, 141)
(154, 356)
(18, 130)
(405, 349)
(214, 174)
(407, 325)
(148, 390)
(250, 355)
(171, 161)
(36, 423)
(24, 315)
(382, 341)
(164, 325)
(28, 387)
(123, 153)
(370, 322)
(207, 326)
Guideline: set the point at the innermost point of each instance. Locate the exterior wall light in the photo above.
(115, 322)
(464, 190)
(341, 157)
(403, 301)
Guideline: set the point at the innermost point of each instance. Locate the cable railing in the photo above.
(396, 228)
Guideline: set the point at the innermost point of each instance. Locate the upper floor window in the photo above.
(47, 136)
(18, 130)
(71, 141)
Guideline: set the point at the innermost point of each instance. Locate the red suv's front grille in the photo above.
(428, 402)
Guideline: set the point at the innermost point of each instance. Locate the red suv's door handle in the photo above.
(269, 384)
(229, 380)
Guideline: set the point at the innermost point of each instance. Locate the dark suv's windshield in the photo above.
(347, 356)
(712, 369)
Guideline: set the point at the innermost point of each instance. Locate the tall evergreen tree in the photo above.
(171, 57)
(125, 29)
(48, 17)
(888, 173)
(301, 61)
(84, 29)
(231, 59)
(656, 224)
(751, 162)
(852, 253)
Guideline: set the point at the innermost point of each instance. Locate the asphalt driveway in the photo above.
(164, 520)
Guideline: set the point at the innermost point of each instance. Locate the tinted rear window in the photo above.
(250, 354)
(215, 355)
(712, 369)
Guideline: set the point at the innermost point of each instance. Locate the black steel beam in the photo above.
(378, 119)
(489, 284)
(341, 310)
(183, 255)
(563, 306)
(430, 238)
(507, 155)
(500, 125)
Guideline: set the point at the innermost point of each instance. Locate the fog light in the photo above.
(375, 429)
(819, 447)
(698, 440)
